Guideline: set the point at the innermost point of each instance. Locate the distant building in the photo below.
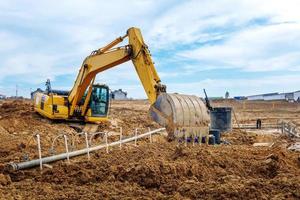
(268, 96)
(118, 95)
(15, 97)
(297, 96)
(33, 93)
(277, 96)
(240, 98)
(289, 96)
(2, 96)
(258, 96)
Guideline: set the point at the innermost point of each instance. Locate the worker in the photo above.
(258, 124)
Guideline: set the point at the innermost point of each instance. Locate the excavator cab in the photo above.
(99, 101)
(97, 105)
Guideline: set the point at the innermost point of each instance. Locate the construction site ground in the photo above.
(157, 170)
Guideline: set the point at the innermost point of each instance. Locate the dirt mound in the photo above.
(161, 170)
(237, 136)
(164, 171)
(19, 123)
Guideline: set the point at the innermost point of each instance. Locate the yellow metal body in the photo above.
(56, 107)
(44, 105)
(70, 107)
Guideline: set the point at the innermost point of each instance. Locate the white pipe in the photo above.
(121, 133)
(185, 138)
(200, 139)
(49, 159)
(135, 136)
(87, 145)
(67, 149)
(106, 135)
(150, 136)
(40, 151)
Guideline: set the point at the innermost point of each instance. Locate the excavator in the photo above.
(88, 102)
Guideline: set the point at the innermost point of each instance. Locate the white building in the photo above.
(289, 96)
(2, 96)
(276, 96)
(259, 96)
(118, 95)
(255, 97)
(297, 96)
(33, 93)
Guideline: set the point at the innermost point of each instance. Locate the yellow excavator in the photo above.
(89, 102)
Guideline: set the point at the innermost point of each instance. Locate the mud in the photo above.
(160, 170)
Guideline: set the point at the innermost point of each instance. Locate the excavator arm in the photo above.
(144, 67)
(108, 57)
(91, 66)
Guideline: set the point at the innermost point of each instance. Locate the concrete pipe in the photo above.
(181, 114)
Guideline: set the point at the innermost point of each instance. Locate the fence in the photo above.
(289, 128)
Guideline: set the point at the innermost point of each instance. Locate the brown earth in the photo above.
(267, 111)
(160, 170)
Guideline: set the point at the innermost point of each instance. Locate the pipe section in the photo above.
(49, 159)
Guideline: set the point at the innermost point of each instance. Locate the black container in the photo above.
(216, 133)
(211, 140)
(220, 119)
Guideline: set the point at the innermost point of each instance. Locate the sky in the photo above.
(245, 47)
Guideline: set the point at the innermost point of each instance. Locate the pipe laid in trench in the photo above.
(49, 159)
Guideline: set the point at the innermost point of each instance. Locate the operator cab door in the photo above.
(99, 101)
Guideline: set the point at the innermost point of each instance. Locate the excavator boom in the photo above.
(107, 57)
(93, 65)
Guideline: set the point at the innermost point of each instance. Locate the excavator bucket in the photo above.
(182, 115)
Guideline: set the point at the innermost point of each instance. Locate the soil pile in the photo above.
(161, 170)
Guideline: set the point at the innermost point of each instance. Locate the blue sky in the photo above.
(244, 47)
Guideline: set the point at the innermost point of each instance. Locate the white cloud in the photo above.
(42, 39)
(200, 21)
(124, 73)
(267, 48)
(49, 39)
(9, 41)
(34, 67)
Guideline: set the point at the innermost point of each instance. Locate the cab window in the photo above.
(99, 101)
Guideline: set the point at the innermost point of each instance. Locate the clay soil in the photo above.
(158, 170)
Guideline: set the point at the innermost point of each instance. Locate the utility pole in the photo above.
(16, 90)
